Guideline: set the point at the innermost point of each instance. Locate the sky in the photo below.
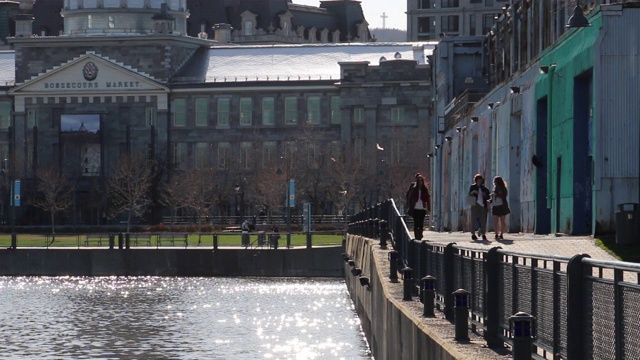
(374, 9)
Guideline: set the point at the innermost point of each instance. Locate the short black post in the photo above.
(127, 237)
(112, 241)
(407, 275)
(384, 234)
(309, 240)
(14, 240)
(215, 241)
(428, 295)
(521, 328)
(288, 240)
(120, 241)
(461, 310)
(393, 266)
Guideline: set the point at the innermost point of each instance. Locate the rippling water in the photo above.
(178, 318)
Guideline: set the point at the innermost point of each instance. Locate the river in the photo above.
(178, 318)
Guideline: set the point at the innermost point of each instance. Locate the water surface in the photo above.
(178, 318)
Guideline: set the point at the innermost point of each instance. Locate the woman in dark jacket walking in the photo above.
(418, 203)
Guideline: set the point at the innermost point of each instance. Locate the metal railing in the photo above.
(582, 308)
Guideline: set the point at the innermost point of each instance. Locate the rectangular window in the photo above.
(358, 115)
(268, 111)
(450, 24)
(224, 106)
(472, 24)
(202, 111)
(268, 153)
(290, 110)
(450, 3)
(150, 116)
(32, 118)
(313, 110)
(223, 155)
(246, 107)
(426, 4)
(397, 114)
(180, 155)
(336, 116)
(426, 24)
(245, 154)
(202, 155)
(179, 112)
(5, 114)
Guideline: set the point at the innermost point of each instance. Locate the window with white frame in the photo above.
(313, 110)
(268, 111)
(397, 114)
(246, 108)
(32, 118)
(224, 106)
(246, 154)
(358, 115)
(180, 155)
(336, 116)
(179, 112)
(291, 110)
(224, 149)
(202, 111)
(150, 116)
(202, 155)
(248, 28)
(268, 153)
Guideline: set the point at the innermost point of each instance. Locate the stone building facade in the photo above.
(316, 113)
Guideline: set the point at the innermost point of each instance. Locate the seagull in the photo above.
(379, 147)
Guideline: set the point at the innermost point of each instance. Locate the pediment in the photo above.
(90, 73)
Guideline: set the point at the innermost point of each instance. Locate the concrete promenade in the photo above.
(396, 328)
(530, 243)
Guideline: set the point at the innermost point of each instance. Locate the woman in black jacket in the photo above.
(479, 207)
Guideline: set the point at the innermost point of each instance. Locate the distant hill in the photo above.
(389, 35)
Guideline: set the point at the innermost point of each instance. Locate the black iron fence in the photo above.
(579, 308)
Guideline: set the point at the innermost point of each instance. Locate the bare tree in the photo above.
(171, 194)
(271, 188)
(198, 192)
(129, 187)
(54, 193)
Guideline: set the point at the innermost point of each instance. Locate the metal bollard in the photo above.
(384, 234)
(393, 265)
(428, 295)
(215, 241)
(407, 274)
(461, 307)
(127, 238)
(120, 241)
(309, 240)
(521, 328)
(112, 241)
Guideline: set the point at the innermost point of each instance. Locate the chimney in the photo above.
(222, 33)
(24, 25)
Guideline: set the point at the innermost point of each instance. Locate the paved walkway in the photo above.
(530, 243)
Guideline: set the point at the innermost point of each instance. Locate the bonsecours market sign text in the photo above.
(93, 85)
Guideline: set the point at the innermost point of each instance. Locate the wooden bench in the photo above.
(138, 238)
(95, 239)
(173, 237)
